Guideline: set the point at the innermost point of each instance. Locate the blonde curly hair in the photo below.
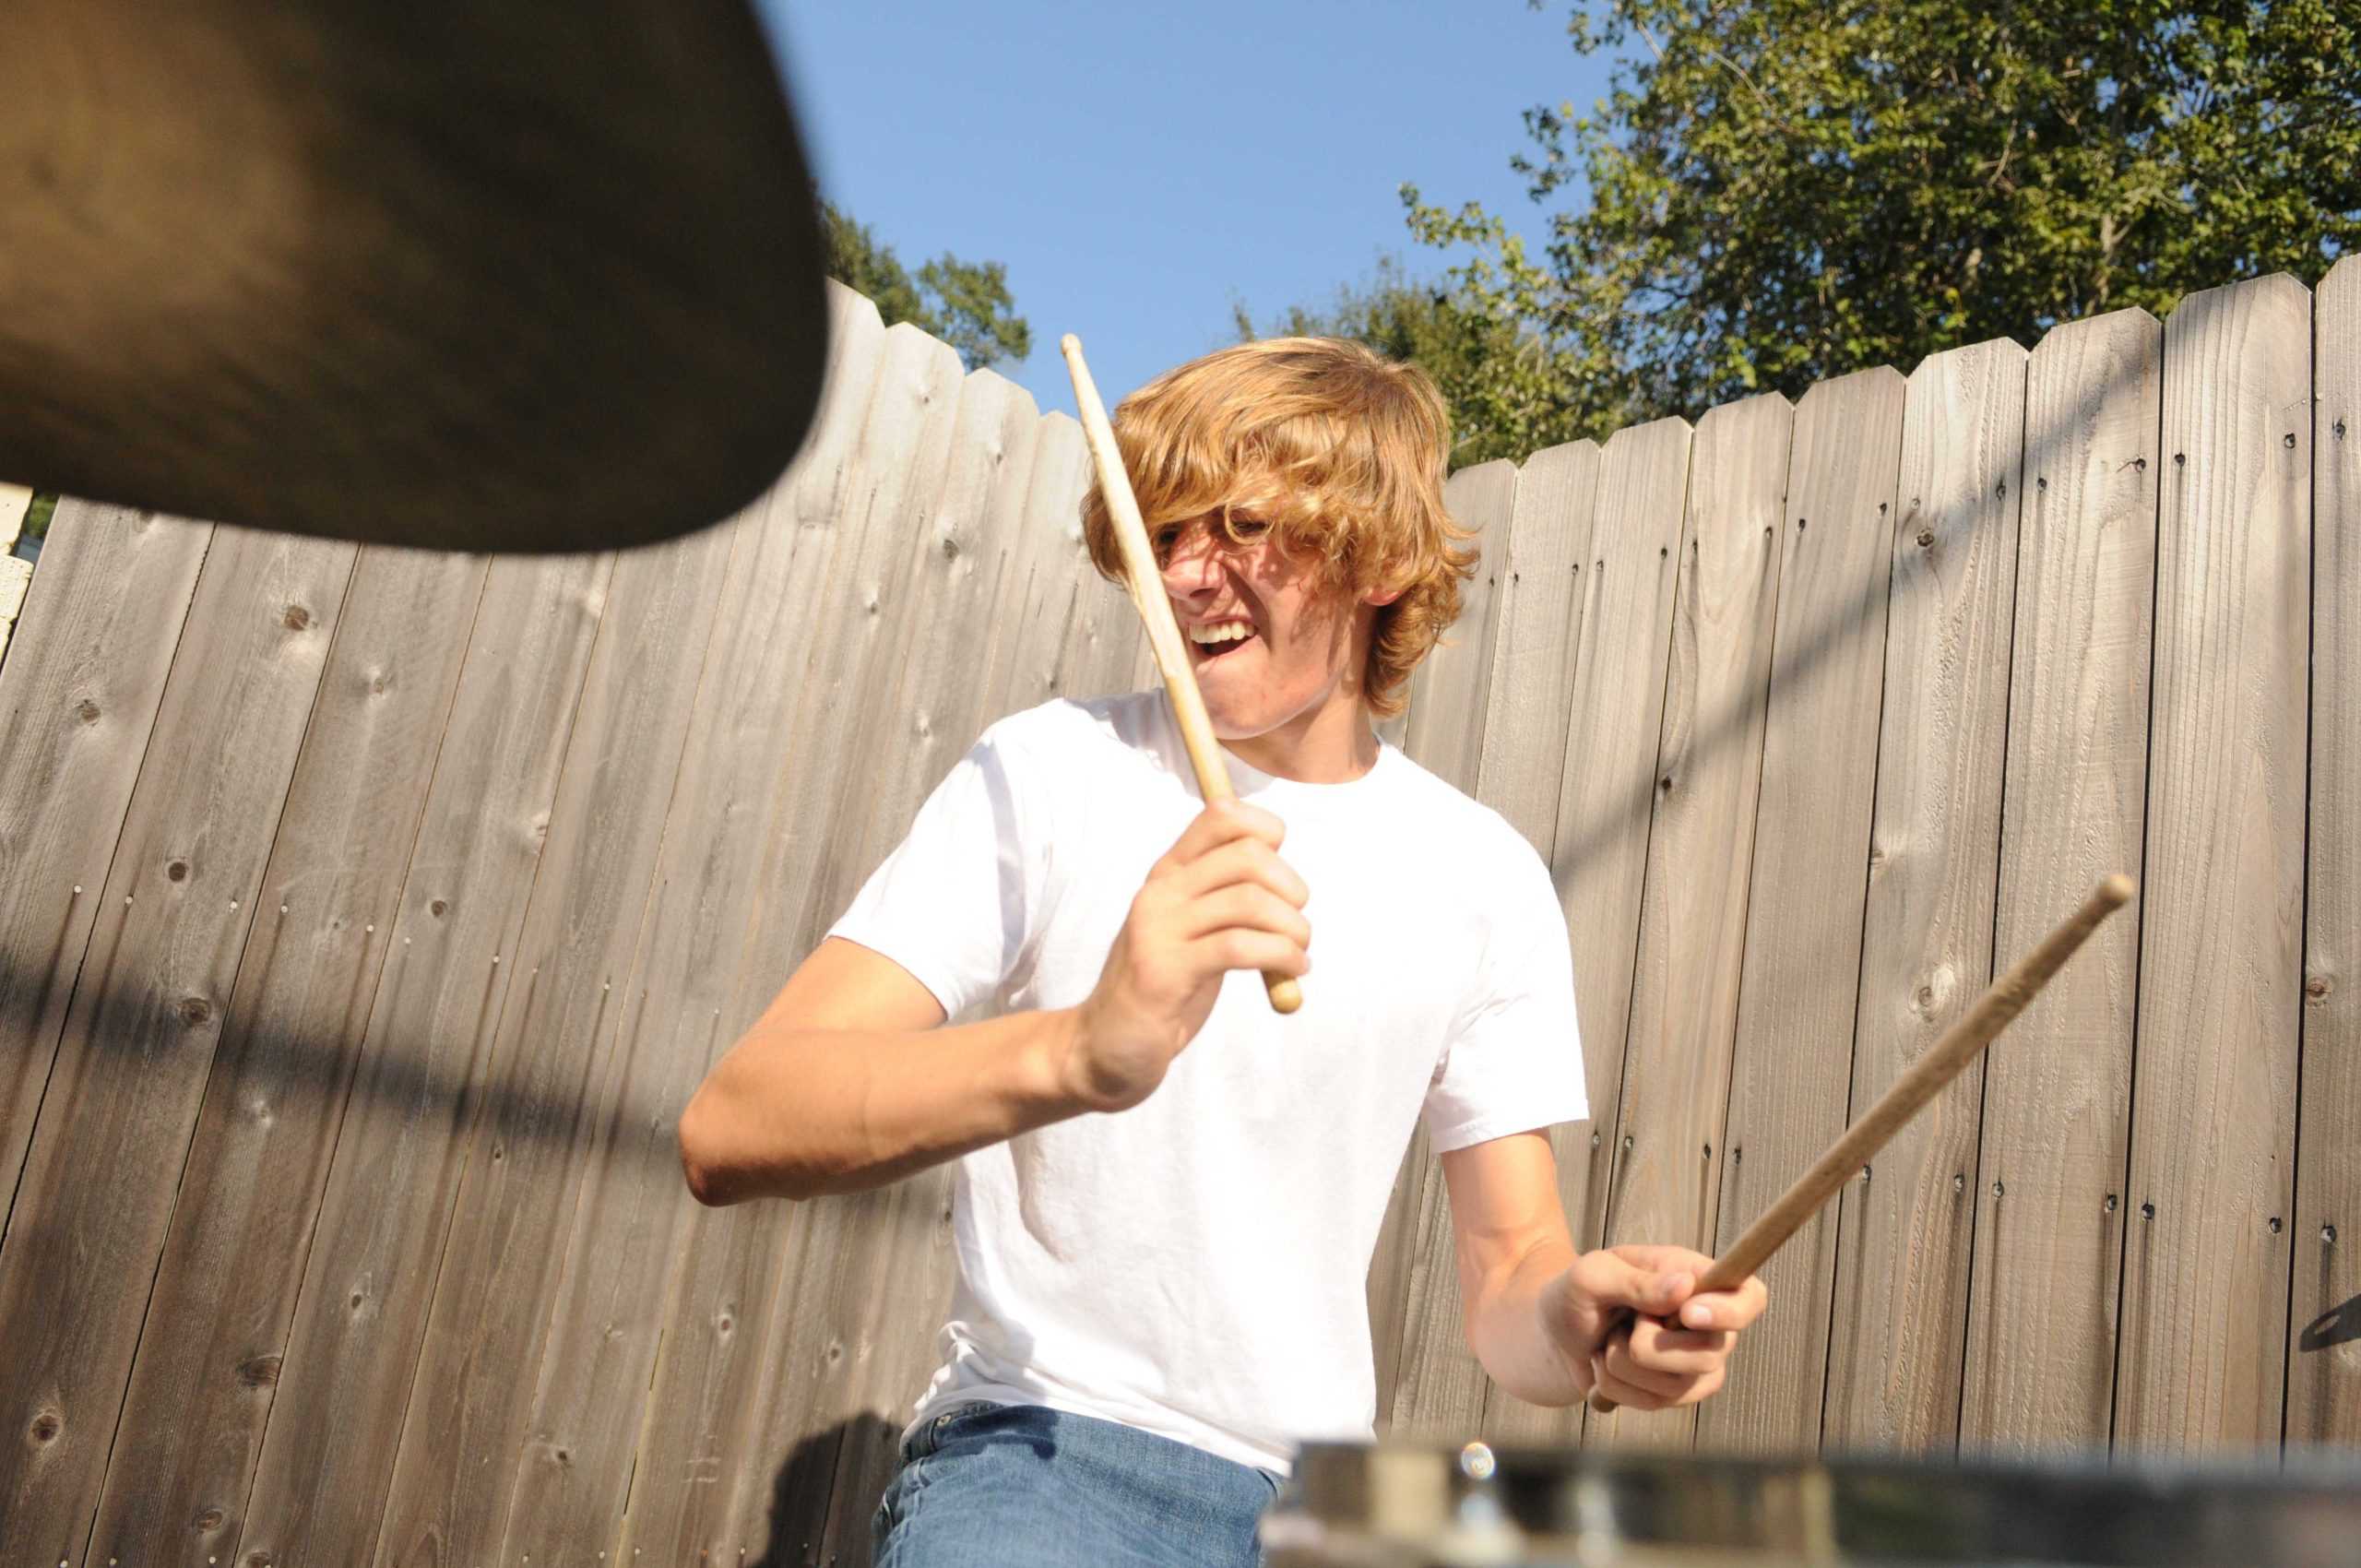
(1338, 449)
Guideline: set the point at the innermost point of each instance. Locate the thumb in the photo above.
(1613, 1281)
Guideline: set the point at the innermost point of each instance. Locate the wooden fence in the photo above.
(366, 916)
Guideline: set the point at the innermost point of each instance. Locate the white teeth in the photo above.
(1227, 632)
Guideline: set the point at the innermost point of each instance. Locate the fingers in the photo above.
(1243, 907)
(1725, 1309)
(1612, 1277)
(1220, 824)
(1268, 952)
(1246, 860)
(1617, 1375)
(1657, 1347)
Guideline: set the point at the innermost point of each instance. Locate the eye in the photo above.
(1161, 540)
(1246, 530)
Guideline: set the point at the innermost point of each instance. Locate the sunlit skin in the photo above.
(1287, 700)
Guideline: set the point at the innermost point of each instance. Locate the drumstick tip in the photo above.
(2116, 890)
(1069, 345)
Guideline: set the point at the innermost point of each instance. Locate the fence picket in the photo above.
(2057, 1088)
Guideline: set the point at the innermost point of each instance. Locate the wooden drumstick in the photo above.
(1954, 1049)
(1145, 581)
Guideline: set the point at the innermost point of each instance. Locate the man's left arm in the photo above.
(1552, 1325)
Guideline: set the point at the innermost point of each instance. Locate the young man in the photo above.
(1167, 1193)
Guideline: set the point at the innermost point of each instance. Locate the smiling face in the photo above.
(1278, 649)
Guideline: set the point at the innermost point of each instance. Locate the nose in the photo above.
(1192, 567)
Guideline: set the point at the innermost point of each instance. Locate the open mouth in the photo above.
(1219, 640)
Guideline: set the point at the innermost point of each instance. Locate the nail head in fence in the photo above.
(1147, 584)
(1959, 1045)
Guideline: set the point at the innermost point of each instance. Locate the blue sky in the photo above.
(1138, 167)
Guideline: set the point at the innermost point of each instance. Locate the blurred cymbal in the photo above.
(486, 275)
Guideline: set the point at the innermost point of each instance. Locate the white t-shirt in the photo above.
(1194, 1266)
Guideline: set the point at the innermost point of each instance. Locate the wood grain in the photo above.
(2324, 1358)
(1792, 1055)
(2056, 1126)
(200, 1395)
(1701, 852)
(467, 1418)
(78, 699)
(139, 1038)
(707, 1396)
(1414, 1293)
(2203, 1360)
(351, 1345)
(1905, 1231)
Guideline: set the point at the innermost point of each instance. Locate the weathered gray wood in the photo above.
(1901, 1307)
(201, 1388)
(100, 1176)
(336, 1411)
(2204, 1317)
(1532, 576)
(1045, 565)
(77, 703)
(706, 1392)
(2057, 1088)
(1792, 1056)
(465, 1425)
(1598, 852)
(629, 1255)
(819, 819)
(934, 717)
(1701, 852)
(1540, 625)
(1449, 693)
(2324, 1358)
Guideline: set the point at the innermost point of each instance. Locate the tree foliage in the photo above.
(1782, 191)
(965, 304)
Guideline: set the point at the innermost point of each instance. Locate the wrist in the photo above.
(1045, 1089)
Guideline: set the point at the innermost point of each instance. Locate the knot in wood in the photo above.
(2318, 987)
(46, 1426)
(297, 618)
(258, 1371)
(177, 870)
(194, 1011)
(87, 712)
(209, 1520)
(437, 908)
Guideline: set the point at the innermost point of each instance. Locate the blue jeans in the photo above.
(992, 1486)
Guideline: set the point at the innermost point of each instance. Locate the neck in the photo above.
(1331, 743)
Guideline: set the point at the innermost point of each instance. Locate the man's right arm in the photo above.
(850, 1080)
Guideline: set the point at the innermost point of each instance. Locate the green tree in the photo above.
(1786, 190)
(965, 304)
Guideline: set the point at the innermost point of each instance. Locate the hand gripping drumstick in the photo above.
(1957, 1046)
(1147, 584)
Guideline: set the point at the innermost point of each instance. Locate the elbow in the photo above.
(703, 1163)
(715, 1166)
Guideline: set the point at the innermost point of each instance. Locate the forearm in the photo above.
(797, 1112)
(1505, 1318)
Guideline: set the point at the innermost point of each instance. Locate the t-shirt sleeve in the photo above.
(954, 902)
(1515, 1060)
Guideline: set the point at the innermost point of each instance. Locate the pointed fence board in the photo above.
(140, 1039)
(465, 1425)
(1792, 1056)
(1692, 921)
(2324, 1354)
(199, 1396)
(79, 698)
(2057, 1125)
(1904, 1232)
(2205, 1275)
(1598, 850)
(1450, 691)
(616, 1307)
(1522, 772)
